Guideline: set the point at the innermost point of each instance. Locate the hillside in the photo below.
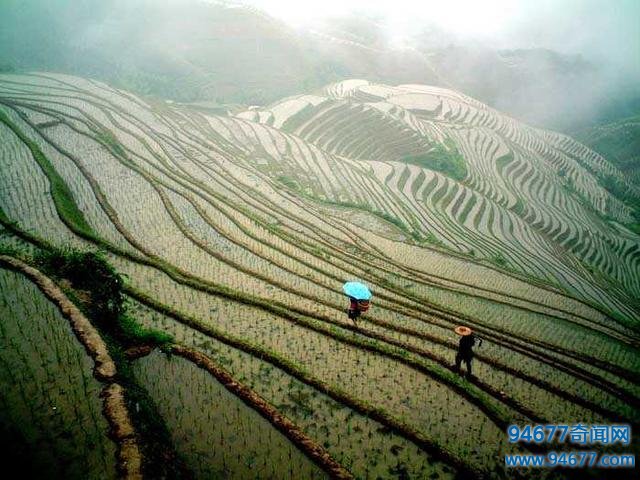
(528, 197)
(233, 235)
(619, 142)
(188, 51)
(223, 52)
(569, 91)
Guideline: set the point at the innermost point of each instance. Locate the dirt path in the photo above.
(114, 406)
(316, 452)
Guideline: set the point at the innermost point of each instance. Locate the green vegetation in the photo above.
(293, 185)
(621, 149)
(499, 259)
(519, 207)
(295, 121)
(288, 182)
(632, 202)
(110, 139)
(618, 142)
(62, 196)
(367, 208)
(44, 366)
(622, 192)
(95, 287)
(570, 188)
(634, 227)
(431, 238)
(441, 158)
(364, 407)
(99, 288)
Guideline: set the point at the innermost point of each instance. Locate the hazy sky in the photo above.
(599, 29)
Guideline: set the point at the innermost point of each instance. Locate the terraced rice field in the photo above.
(236, 233)
(47, 382)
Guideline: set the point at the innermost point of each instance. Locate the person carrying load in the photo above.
(357, 308)
(359, 299)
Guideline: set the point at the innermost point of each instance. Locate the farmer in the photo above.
(359, 296)
(465, 347)
(354, 309)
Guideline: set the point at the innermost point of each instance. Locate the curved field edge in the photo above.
(62, 212)
(120, 150)
(62, 196)
(129, 461)
(468, 319)
(491, 408)
(115, 409)
(313, 450)
(366, 409)
(61, 216)
(557, 151)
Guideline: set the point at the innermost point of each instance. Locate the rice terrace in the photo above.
(172, 274)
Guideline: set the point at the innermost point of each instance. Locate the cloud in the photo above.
(605, 31)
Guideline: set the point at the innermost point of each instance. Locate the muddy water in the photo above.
(51, 421)
(217, 435)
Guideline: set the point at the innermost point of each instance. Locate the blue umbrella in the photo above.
(357, 290)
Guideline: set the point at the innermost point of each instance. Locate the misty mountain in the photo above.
(181, 50)
(617, 141)
(193, 51)
(536, 85)
(230, 248)
(188, 51)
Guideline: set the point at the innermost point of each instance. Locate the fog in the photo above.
(561, 64)
(601, 30)
(601, 38)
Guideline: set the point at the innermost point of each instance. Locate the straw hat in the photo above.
(464, 331)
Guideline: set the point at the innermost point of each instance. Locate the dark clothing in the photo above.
(467, 361)
(465, 351)
(466, 345)
(354, 310)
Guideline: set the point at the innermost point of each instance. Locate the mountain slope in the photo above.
(190, 50)
(236, 233)
(527, 198)
(225, 53)
(617, 141)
